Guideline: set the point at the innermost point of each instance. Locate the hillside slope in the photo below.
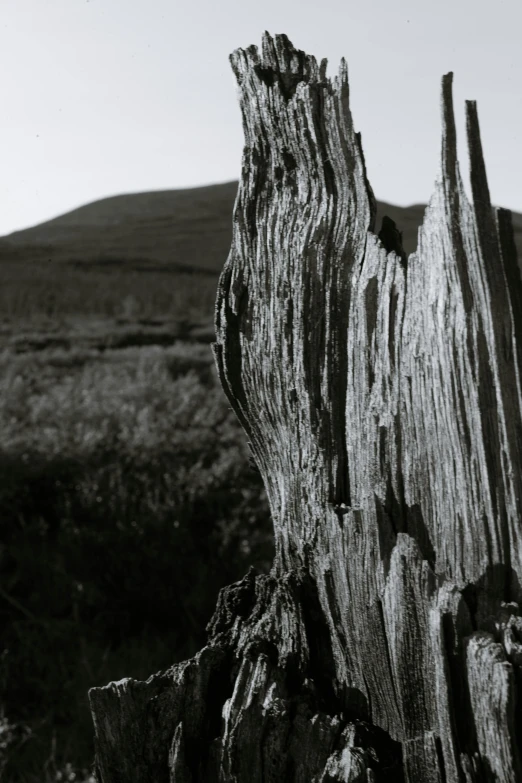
(190, 229)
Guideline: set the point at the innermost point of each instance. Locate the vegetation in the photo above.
(126, 494)
(127, 500)
(47, 290)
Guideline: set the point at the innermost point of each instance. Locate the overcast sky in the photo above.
(102, 97)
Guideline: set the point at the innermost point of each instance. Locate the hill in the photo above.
(185, 230)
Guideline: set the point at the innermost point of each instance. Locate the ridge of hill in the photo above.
(188, 229)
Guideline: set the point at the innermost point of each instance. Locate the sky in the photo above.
(103, 97)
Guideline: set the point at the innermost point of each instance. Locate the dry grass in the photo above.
(30, 292)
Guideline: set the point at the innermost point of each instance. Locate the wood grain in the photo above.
(381, 396)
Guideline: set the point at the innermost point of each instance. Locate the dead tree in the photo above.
(381, 395)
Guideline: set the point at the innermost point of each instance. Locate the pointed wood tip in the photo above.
(478, 176)
(449, 133)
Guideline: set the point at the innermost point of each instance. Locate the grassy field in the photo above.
(36, 293)
(126, 501)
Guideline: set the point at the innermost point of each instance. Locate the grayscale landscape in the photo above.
(117, 437)
(318, 497)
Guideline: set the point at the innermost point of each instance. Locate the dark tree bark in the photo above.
(382, 399)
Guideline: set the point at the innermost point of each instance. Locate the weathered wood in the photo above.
(381, 397)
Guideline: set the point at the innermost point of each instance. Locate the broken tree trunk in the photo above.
(381, 397)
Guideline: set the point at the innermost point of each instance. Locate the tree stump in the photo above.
(381, 395)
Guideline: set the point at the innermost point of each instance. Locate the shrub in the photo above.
(126, 502)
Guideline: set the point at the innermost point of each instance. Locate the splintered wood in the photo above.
(381, 396)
